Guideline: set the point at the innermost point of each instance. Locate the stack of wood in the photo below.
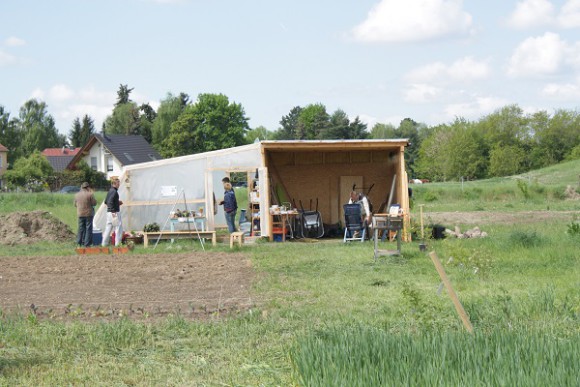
(473, 233)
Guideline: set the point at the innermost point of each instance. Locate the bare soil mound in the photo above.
(31, 227)
(197, 285)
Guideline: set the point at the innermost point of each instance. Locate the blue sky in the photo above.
(430, 60)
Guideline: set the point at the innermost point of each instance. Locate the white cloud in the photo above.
(541, 13)
(60, 93)
(371, 121)
(569, 16)
(538, 56)
(37, 94)
(464, 69)
(413, 20)
(419, 93)
(6, 58)
(532, 13)
(14, 41)
(66, 103)
(474, 109)
(566, 91)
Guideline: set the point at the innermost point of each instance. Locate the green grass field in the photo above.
(330, 315)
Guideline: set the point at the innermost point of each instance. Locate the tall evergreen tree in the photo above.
(358, 129)
(289, 125)
(123, 95)
(75, 133)
(87, 129)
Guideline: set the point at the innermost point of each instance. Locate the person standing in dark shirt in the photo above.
(113, 214)
(230, 206)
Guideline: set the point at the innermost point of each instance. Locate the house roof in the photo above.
(59, 158)
(60, 152)
(3, 148)
(133, 149)
(59, 163)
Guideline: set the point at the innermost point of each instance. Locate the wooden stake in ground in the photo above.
(454, 298)
(422, 232)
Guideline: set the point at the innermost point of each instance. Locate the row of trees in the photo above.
(505, 142)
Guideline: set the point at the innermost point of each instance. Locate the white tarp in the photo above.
(150, 191)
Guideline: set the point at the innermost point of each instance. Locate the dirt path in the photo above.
(487, 217)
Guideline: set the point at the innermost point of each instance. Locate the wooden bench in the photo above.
(154, 235)
(236, 237)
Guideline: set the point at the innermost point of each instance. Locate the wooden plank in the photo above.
(159, 202)
(178, 235)
(454, 298)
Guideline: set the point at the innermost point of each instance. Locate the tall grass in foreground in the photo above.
(365, 356)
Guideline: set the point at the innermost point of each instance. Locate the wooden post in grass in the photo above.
(454, 298)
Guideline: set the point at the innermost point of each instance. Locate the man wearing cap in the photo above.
(85, 203)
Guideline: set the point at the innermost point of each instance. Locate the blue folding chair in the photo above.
(355, 227)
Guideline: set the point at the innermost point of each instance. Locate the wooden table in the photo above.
(389, 223)
(281, 222)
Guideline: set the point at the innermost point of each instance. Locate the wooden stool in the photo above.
(236, 237)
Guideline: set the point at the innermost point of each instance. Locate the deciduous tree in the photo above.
(37, 129)
(209, 124)
(167, 113)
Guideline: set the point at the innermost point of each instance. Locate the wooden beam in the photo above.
(454, 298)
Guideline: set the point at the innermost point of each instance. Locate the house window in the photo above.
(128, 156)
(109, 164)
(94, 163)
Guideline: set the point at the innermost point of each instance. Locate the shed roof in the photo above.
(333, 145)
(3, 148)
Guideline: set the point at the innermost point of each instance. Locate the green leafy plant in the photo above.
(574, 227)
(151, 227)
(524, 188)
(525, 238)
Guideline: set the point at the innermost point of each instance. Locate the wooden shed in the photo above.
(324, 172)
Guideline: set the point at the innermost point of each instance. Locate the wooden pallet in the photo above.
(92, 250)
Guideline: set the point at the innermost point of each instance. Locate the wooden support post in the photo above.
(422, 229)
(454, 298)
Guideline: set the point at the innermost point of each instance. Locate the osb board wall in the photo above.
(307, 180)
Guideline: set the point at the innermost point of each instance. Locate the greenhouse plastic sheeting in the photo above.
(150, 191)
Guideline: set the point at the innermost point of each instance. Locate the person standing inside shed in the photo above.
(113, 214)
(85, 203)
(230, 206)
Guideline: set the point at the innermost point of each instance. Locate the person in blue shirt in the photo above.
(230, 206)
